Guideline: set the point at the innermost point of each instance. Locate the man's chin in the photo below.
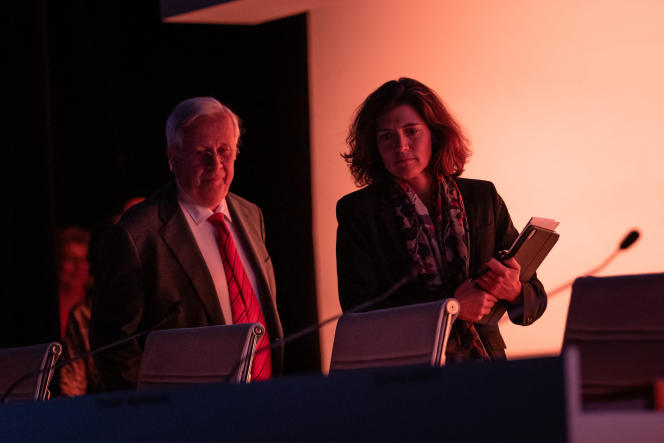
(212, 199)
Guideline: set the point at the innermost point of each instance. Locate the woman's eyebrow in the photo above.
(405, 125)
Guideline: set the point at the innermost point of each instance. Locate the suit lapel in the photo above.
(253, 243)
(468, 205)
(247, 224)
(176, 234)
(392, 235)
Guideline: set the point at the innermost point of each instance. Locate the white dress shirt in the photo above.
(204, 234)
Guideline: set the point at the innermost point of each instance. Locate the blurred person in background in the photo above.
(80, 376)
(74, 279)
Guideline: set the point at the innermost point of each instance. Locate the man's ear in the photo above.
(172, 158)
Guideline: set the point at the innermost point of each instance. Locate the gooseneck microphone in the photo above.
(626, 243)
(172, 311)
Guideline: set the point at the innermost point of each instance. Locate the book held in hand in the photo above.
(533, 245)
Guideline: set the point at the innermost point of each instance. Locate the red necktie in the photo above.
(244, 304)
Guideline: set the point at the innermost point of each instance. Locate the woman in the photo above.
(417, 217)
(74, 286)
(74, 279)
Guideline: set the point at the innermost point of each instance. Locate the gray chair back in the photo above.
(408, 335)
(17, 363)
(209, 354)
(617, 323)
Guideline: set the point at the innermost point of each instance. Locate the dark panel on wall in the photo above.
(115, 75)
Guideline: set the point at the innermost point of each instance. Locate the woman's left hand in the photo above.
(502, 280)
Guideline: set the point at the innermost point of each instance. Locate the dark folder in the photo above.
(532, 246)
(529, 249)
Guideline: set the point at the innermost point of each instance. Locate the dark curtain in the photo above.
(29, 304)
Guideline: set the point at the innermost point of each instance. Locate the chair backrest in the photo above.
(208, 354)
(32, 363)
(618, 325)
(407, 335)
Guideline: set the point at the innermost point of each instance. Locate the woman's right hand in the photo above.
(474, 302)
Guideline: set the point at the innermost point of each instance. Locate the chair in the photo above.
(209, 354)
(407, 335)
(26, 371)
(618, 325)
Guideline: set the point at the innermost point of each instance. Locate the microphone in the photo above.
(629, 239)
(173, 310)
(627, 242)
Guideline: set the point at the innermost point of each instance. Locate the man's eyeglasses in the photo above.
(225, 154)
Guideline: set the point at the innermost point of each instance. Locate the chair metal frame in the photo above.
(32, 370)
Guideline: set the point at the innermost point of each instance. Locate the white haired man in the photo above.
(193, 244)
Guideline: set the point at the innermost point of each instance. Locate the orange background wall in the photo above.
(564, 102)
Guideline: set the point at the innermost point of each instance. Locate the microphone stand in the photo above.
(367, 304)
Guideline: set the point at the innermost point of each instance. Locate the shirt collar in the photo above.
(198, 213)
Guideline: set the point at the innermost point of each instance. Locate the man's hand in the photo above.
(502, 280)
(474, 302)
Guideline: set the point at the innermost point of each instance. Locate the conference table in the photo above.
(529, 400)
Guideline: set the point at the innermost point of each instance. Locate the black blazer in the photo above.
(372, 256)
(149, 261)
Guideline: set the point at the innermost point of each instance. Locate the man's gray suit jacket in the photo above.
(148, 262)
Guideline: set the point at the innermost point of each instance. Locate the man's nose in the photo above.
(213, 160)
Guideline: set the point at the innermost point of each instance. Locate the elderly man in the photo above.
(193, 245)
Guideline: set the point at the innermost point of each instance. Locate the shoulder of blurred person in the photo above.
(159, 206)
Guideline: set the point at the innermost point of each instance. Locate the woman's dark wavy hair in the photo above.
(449, 145)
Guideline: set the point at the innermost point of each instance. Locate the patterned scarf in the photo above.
(439, 249)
